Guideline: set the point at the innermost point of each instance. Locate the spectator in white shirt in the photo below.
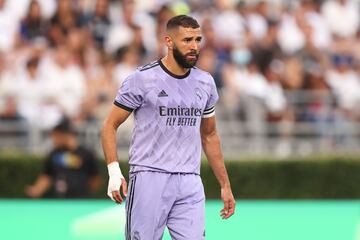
(342, 17)
(8, 26)
(229, 24)
(345, 84)
(65, 81)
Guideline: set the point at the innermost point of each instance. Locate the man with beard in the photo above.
(174, 108)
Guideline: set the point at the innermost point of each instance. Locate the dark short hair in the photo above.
(64, 126)
(182, 21)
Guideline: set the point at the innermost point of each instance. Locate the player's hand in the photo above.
(114, 189)
(229, 203)
(116, 180)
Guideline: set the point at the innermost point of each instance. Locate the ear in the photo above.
(168, 42)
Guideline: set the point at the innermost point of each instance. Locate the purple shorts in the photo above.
(158, 199)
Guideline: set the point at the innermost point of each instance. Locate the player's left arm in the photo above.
(212, 148)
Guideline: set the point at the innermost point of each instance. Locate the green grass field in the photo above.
(254, 220)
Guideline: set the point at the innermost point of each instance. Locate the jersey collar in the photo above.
(172, 74)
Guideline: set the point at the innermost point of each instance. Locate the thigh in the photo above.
(187, 216)
(146, 206)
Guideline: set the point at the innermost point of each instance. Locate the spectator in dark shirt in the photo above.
(33, 26)
(64, 19)
(70, 168)
(98, 22)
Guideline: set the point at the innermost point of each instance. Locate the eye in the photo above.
(198, 39)
(187, 40)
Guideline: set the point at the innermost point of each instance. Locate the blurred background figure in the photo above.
(65, 81)
(98, 22)
(127, 60)
(8, 26)
(30, 91)
(69, 168)
(342, 17)
(33, 27)
(65, 18)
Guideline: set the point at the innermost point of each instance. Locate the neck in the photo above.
(171, 64)
(72, 143)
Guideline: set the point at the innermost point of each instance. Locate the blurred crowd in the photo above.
(68, 57)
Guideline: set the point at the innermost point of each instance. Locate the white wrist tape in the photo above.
(115, 178)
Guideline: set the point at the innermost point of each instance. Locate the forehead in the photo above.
(58, 134)
(188, 32)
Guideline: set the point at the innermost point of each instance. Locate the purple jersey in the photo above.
(168, 111)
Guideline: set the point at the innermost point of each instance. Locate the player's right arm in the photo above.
(108, 139)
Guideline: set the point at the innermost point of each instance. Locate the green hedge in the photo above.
(333, 178)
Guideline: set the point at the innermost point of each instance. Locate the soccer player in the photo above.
(174, 109)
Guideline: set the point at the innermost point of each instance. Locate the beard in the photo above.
(181, 58)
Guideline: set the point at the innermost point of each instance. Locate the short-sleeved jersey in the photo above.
(168, 109)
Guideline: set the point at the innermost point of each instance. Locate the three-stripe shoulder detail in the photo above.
(148, 66)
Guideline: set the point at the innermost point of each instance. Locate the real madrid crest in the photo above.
(198, 93)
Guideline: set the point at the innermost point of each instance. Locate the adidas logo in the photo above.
(162, 94)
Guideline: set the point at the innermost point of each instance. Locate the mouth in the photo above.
(191, 57)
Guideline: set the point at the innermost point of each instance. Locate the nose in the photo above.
(194, 46)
